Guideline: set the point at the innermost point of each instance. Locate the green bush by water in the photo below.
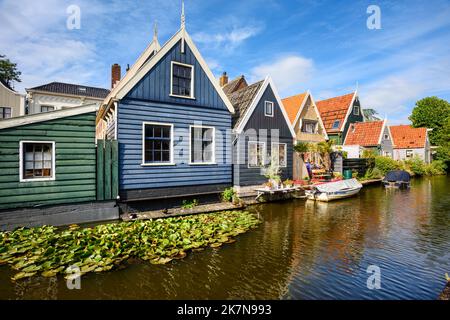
(49, 251)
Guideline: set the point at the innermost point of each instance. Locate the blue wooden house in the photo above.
(172, 121)
(262, 131)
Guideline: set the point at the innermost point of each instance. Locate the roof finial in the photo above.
(155, 31)
(183, 19)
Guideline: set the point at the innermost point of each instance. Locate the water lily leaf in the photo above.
(22, 275)
(215, 245)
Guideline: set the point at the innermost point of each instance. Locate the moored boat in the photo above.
(334, 190)
(397, 179)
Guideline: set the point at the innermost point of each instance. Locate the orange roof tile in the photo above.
(293, 104)
(405, 136)
(334, 109)
(364, 134)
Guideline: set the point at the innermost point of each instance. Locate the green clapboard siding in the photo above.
(75, 179)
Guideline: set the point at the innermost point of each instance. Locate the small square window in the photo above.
(409, 153)
(157, 143)
(37, 161)
(356, 110)
(336, 124)
(5, 112)
(268, 108)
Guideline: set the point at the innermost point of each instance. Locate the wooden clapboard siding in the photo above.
(155, 86)
(75, 163)
(134, 176)
(242, 174)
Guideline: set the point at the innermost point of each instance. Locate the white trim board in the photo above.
(267, 81)
(47, 116)
(182, 35)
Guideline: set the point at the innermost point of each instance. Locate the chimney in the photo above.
(223, 79)
(115, 74)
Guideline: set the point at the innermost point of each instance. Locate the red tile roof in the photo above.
(405, 136)
(293, 104)
(364, 134)
(334, 109)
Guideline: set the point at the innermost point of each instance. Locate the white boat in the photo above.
(334, 190)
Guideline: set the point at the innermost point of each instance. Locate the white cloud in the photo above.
(290, 73)
(227, 40)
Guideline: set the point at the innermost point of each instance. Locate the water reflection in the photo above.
(302, 250)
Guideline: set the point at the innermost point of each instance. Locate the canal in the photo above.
(301, 250)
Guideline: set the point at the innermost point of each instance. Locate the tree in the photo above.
(443, 152)
(371, 114)
(432, 113)
(8, 71)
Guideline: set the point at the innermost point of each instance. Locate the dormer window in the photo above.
(268, 108)
(182, 80)
(336, 124)
(356, 110)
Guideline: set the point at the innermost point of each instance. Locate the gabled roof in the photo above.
(405, 137)
(242, 99)
(365, 134)
(3, 82)
(336, 109)
(46, 116)
(246, 100)
(72, 89)
(151, 61)
(235, 85)
(293, 105)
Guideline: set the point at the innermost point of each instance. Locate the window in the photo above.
(256, 152)
(268, 108)
(157, 142)
(5, 112)
(356, 110)
(336, 124)
(182, 80)
(386, 137)
(47, 108)
(309, 126)
(202, 145)
(409, 153)
(279, 154)
(37, 160)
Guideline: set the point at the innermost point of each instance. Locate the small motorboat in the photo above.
(397, 179)
(334, 190)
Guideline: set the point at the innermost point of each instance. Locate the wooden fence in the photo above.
(107, 170)
(360, 165)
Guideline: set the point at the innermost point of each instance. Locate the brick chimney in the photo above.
(223, 79)
(115, 74)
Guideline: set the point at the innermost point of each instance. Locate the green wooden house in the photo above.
(47, 160)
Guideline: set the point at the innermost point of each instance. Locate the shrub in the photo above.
(228, 194)
(416, 166)
(435, 168)
(189, 204)
(385, 164)
(301, 147)
(368, 154)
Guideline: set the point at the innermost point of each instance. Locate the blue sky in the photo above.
(323, 46)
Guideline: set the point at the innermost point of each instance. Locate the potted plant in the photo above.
(288, 183)
(268, 185)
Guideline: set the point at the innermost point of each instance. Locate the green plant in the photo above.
(272, 172)
(302, 147)
(344, 154)
(437, 167)
(288, 182)
(189, 204)
(228, 194)
(385, 164)
(416, 166)
(368, 154)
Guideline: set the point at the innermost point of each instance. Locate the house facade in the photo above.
(58, 96)
(172, 122)
(262, 133)
(338, 113)
(12, 103)
(410, 142)
(308, 126)
(370, 135)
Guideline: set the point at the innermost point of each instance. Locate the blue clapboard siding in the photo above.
(258, 121)
(134, 176)
(155, 85)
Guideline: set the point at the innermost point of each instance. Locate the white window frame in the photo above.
(263, 154)
(356, 110)
(409, 151)
(192, 80)
(285, 152)
(265, 108)
(21, 162)
(156, 164)
(213, 160)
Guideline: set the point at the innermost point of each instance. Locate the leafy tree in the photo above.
(8, 71)
(443, 152)
(431, 112)
(371, 114)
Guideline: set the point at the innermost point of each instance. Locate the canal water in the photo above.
(301, 250)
